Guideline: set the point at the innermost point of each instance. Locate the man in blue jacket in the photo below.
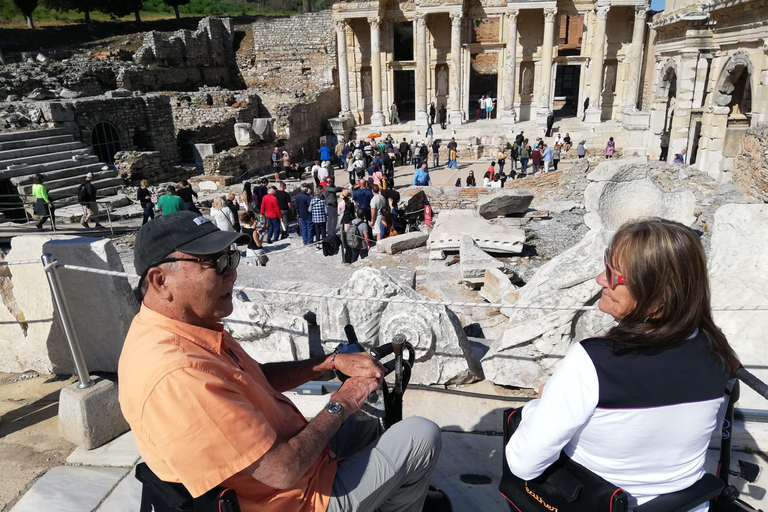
(305, 215)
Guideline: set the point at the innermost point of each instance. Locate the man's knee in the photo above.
(423, 435)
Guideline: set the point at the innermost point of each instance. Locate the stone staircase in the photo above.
(59, 158)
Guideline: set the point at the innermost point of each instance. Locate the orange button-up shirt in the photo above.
(202, 411)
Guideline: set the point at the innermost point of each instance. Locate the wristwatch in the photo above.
(335, 408)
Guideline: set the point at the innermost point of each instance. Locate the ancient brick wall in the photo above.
(135, 166)
(205, 56)
(144, 123)
(295, 55)
(750, 167)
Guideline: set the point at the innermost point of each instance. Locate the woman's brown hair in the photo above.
(666, 272)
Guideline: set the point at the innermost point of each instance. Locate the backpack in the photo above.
(82, 195)
(354, 238)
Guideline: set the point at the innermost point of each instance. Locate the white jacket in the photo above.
(224, 219)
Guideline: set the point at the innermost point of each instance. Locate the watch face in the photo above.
(334, 408)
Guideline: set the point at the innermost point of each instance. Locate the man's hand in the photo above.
(360, 365)
(354, 392)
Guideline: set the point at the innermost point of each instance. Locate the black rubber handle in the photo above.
(753, 382)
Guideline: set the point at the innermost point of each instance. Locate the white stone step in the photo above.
(64, 177)
(30, 143)
(38, 150)
(31, 134)
(21, 175)
(47, 158)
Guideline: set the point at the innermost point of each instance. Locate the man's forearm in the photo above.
(290, 374)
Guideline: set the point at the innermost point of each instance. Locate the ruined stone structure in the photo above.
(532, 57)
(710, 79)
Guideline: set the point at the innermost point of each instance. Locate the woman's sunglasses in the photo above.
(613, 277)
(220, 263)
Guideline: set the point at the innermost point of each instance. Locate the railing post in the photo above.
(51, 272)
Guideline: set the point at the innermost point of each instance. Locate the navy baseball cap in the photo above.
(188, 232)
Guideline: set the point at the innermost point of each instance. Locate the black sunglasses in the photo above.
(220, 263)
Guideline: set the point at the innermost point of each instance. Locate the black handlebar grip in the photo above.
(349, 331)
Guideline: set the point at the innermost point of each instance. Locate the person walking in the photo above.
(432, 113)
(514, 155)
(442, 115)
(253, 249)
(332, 204)
(664, 147)
(435, 153)
(339, 152)
(452, 157)
(234, 207)
(555, 157)
(86, 196)
(169, 203)
(525, 153)
(358, 237)
(520, 138)
(394, 115)
(286, 208)
(303, 200)
(536, 159)
(550, 123)
(488, 107)
(286, 159)
(546, 157)
(610, 148)
(319, 216)
(277, 162)
(221, 215)
(270, 209)
(145, 200)
(43, 206)
(403, 150)
(581, 149)
(363, 197)
(378, 207)
(501, 158)
(186, 194)
(480, 112)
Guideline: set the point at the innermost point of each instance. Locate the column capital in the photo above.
(549, 14)
(641, 13)
(456, 17)
(602, 12)
(421, 20)
(512, 14)
(375, 22)
(341, 24)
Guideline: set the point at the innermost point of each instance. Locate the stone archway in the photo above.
(734, 87)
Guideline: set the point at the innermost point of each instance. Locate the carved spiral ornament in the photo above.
(413, 322)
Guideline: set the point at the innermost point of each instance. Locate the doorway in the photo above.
(483, 81)
(567, 91)
(405, 94)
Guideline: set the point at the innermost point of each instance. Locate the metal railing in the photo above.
(25, 205)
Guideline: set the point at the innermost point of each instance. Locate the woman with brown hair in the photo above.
(639, 405)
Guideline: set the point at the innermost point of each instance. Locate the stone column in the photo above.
(595, 111)
(508, 115)
(635, 57)
(547, 49)
(422, 67)
(341, 49)
(454, 109)
(377, 118)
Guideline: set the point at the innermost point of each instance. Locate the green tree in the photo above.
(83, 6)
(121, 8)
(26, 7)
(175, 4)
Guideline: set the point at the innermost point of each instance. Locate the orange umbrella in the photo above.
(374, 135)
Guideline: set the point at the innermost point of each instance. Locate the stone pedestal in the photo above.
(635, 124)
(91, 417)
(342, 127)
(593, 115)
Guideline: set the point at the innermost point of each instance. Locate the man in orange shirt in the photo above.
(205, 414)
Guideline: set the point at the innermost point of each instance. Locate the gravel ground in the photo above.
(551, 237)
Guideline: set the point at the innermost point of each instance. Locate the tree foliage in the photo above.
(120, 8)
(84, 6)
(26, 7)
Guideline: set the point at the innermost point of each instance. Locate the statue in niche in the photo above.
(609, 80)
(442, 81)
(367, 86)
(526, 80)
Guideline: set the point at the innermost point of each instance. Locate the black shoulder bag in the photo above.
(564, 487)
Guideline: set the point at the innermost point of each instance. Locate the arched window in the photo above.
(106, 141)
